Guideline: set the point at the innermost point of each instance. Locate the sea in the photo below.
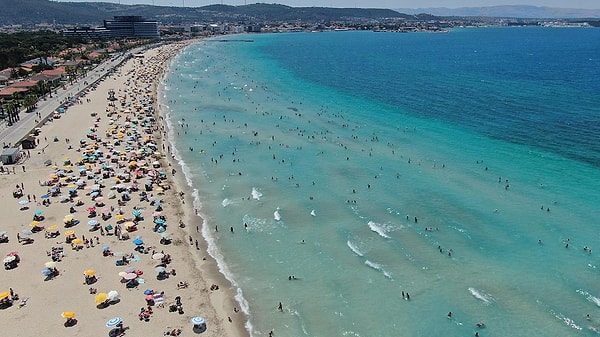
(398, 184)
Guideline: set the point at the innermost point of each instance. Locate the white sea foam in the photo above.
(568, 321)
(481, 295)
(276, 215)
(226, 202)
(313, 213)
(589, 297)
(354, 248)
(256, 194)
(378, 267)
(379, 229)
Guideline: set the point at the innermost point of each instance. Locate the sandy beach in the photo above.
(105, 164)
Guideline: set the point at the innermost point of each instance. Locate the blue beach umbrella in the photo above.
(38, 212)
(105, 248)
(45, 196)
(138, 242)
(197, 320)
(46, 271)
(23, 202)
(159, 221)
(93, 223)
(136, 213)
(113, 322)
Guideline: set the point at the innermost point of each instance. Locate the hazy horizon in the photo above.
(391, 4)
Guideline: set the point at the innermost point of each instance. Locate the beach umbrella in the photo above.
(157, 214)
(4, 295)
(89, 272)
(165, 235)
(113, 322)
(38, 212)
(69, 233)
(45, 196)
(9, 259)
(129, 224)
(53, 227)
(26, 232)
(68, 217)
(77, 241)
(197, 320)
(160, 269)
(93, 223)
(46, 271)
(158, 256)
(119, 216)
(100, 298)
(113, 295)
(148, 292)
(50, 264)
(68, 314)
(23, 202)
(130, 276)
(159, 221)
(13, 253)
(34, 223)
(138, 242)
(129, 269)
(122, 273)
(136, 213)
(105, 248)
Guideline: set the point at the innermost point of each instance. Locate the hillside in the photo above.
(29, 12)
(508, 12)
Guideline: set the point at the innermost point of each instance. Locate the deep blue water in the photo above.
(321, 149)
(533, 86)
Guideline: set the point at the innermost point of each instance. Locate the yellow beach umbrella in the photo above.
(77, 241)
(4, 295)
(120, 216)
(69, 233)
(100, 298)
(89, 272)
(68, 314)
(34, 223)
(50, 264)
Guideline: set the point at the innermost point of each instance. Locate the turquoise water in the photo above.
(320, 150)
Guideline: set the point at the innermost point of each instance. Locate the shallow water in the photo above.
(321, 150)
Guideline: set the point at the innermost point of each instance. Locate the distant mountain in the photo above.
(508, 12)
(30, 12)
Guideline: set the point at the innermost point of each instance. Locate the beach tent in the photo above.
(10, 155)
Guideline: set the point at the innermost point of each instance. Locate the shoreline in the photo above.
(32, 294)
(194, 218)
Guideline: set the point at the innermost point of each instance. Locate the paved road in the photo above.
(15, 133)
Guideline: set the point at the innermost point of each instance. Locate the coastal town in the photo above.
(103, 232)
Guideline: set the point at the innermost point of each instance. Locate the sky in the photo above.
(587, 4)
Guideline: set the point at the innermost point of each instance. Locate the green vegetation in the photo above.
(18, 47)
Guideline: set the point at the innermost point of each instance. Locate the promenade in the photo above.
(11, 135)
